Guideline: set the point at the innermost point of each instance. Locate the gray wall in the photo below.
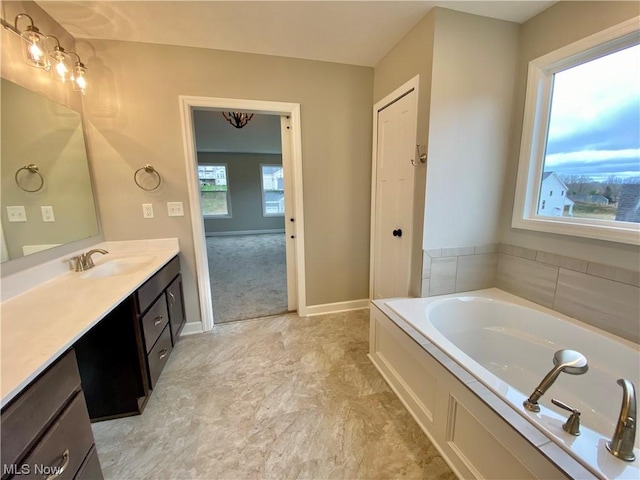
(135, 118)
(474, 62)
(560, 25)
(245, 190)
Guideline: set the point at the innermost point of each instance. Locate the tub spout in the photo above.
(567, 361)
(624, 436)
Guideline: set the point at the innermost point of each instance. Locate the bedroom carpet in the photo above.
(248, 276)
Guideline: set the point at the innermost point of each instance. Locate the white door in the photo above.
(393, 217)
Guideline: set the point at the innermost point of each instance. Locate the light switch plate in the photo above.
(175, 209)
(17, 213)
(147, 210)
(47, 213)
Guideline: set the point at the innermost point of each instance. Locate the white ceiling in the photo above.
(352, 32)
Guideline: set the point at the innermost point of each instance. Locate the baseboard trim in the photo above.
(243, 232)
(337, 307)
(191, 328)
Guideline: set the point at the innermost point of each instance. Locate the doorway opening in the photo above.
(242, 197)
(251, 254)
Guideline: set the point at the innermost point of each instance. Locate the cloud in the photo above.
(594, 127)
(598, 164)
(618, 129)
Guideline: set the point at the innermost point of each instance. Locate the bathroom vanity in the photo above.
(121, 358)
(83, 346)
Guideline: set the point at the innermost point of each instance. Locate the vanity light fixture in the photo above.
(78, 77)
(60, 61)
(36, 55)
(32, 43)
(237, 119)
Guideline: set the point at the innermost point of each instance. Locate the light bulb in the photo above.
(34, 55)
(35, 52)
(79, 80)
(60, 68)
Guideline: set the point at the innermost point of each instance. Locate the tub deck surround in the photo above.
(43, 320)
(579, 457)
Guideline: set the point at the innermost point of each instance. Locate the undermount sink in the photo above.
(117, 266)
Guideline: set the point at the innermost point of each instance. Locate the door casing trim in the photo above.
(187, 104)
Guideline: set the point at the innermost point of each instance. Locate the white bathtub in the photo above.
(508, 343)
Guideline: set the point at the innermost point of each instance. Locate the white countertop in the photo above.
(40, 324)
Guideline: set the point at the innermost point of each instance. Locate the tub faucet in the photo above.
(84, 260)
(567, 361)
(624, 436)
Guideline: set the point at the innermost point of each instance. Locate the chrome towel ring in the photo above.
(151, 171)
(31, 168)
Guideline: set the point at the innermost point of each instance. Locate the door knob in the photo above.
(397, 233)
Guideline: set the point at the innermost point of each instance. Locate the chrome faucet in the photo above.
(84, 260)
(624, 436)
(567, 361)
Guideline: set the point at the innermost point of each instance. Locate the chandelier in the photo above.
(237, 119)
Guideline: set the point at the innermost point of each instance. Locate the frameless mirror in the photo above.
(46, 197)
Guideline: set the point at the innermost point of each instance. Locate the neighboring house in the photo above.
(553, 196)
(629, 204)
(591, 199)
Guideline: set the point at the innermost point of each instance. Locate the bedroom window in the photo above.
(272, 190)
(581, 136)
(214, 191)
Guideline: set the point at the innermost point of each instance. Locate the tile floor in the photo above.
(283, 397)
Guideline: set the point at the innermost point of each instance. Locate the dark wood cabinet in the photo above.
(46, 429)
(175, 303)
(121, 358)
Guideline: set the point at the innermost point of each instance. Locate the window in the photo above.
(581, 136)
(272, 190)
(214, 191)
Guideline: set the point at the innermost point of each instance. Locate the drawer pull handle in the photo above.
(173, 298)
(157, 321)
(163, 353)
(59, 470)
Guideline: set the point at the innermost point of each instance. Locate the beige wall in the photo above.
(135, 119)
(412, 56)
(563, 23)
(474, 60)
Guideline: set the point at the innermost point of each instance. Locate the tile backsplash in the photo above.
(604, 296)
(451, 270)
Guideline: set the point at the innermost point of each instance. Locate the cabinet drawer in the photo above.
(64, 446)
(90, 469)
(159, 355)
(154, 321)
(150, 290)
(37, 406)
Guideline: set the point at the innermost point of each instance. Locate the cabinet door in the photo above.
(176, 308)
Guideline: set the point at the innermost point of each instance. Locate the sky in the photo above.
(594, 127)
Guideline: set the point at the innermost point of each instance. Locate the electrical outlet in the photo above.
(47, 213)
(175, 209)
(147, 210)
(17, 214)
